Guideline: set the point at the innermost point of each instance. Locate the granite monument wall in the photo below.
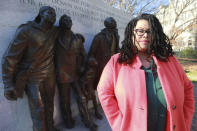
(87, 16)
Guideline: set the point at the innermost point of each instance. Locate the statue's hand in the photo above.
(10, 94)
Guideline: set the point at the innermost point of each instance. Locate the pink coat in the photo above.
(122, 93)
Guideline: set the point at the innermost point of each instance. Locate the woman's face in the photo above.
(142, 35)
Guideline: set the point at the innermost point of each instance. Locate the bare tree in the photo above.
(135, 7)
(181, 15)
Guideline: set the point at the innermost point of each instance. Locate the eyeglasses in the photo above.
(141, 32)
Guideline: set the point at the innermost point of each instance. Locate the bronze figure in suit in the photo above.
(104, 45)
(28, 65)
(87, 79)
(68, 53)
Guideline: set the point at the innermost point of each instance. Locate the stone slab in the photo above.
(87, 16)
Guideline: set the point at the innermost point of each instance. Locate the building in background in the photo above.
(179, 20)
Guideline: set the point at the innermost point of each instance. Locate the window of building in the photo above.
(189, 42)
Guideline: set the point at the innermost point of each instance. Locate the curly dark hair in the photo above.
(160, 44)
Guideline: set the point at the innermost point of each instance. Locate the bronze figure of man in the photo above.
(68, 53)
(87, 79)
(28, 65)
(104, 45)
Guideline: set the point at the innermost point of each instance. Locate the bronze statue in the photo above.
(87, 79)
(69, 52)
(81, 55)
(28, 65)
(104, 45)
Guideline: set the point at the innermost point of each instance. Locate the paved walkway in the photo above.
(104, 126)
(9, 124)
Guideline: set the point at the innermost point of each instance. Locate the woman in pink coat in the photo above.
(144, 88)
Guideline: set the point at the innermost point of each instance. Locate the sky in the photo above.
(154, 4)
(164, 2)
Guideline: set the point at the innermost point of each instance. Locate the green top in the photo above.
(155, 99)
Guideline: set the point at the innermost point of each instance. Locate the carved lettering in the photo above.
(31, 2)
(84, 4)
(80, 10)
(62, 3)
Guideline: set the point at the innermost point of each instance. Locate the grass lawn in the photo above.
(190, 66)
(192, 75)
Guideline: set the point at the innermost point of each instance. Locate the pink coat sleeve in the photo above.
(189, 103)
(107, 97)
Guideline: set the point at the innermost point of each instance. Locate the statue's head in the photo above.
(46, 13)
(65, 22)
(110, 23)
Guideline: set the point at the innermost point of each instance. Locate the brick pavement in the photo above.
(194, 121)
